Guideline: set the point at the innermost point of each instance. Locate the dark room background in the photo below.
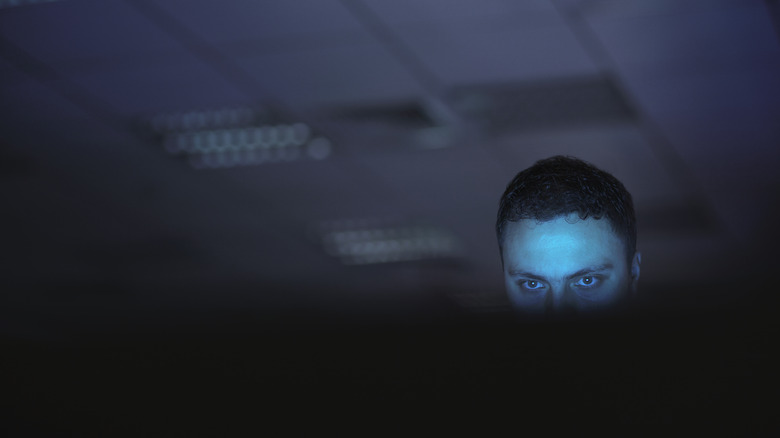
(176, 166)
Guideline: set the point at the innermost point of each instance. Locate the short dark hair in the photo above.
(561, 185)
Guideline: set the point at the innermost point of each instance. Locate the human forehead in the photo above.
(564, 243)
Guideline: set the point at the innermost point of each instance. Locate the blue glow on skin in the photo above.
(566, 264)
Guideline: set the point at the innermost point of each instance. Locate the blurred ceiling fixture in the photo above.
(425, 123)
(474, 111)
(545, 104)
(231, 137)
(361, 243)
(5, 4)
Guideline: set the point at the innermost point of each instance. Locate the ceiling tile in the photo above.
(698, 43)
(619, 9)
(513, 54)
(360, 72)
(27, 105)
(86, 29)
(724, 126)
(180, 82)
(453, 12)
(709, 78)
(220, 22)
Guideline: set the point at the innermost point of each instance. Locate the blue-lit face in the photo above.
(566, 264)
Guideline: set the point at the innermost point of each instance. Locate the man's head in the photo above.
(567, 235)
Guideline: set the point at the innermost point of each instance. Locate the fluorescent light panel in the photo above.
(390, 244)
(232, 137)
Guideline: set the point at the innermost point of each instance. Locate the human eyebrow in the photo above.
(526, 274)
(590, 270)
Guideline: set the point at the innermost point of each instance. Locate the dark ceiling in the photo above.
(412, 115)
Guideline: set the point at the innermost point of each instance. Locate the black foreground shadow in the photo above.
(239, 374)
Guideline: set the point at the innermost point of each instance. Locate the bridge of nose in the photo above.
(560, 298)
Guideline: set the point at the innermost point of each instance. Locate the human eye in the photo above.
(588, 282)
(532, 285)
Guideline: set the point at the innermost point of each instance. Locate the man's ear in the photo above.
(635, 268)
